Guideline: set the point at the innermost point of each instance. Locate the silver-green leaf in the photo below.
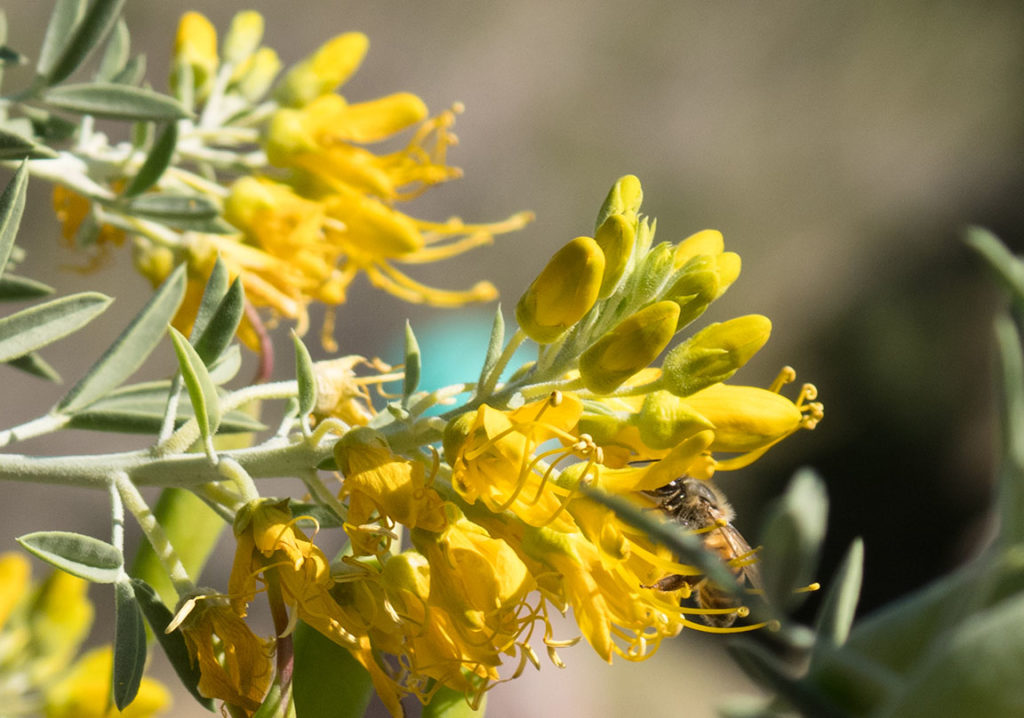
(305, 377)
(838, 607)
(114, 101)
(86, 35)
(115, 56)
(131, 348)
(220, 330)
(16, 146)
(129, 644)
(201, 389)
(79, 555)
(158, 159)
(12, 205)
(43, 324)
(413, 362)
(65, 16)
(15, 288)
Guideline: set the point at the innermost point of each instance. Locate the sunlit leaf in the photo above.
(220, 330)
(12, 205)
(345, 695)
(37, 326)
(85, 36)
(114, 101)
(80, 555)
(304, 377)
(116, 53)
(201, 389)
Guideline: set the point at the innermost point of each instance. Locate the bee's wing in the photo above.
(744, 555)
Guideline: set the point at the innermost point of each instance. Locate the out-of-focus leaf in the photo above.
(66, 14)
(450, 703)
(48, 126)
(201, 389)
(37, 326)
(1010, 499)
(171, 207)
(220, 330)
(131, 348)
(494, 347)
(133, 73)
(15, 146)
(34, 364)
(763, 667)
(315, 515)
(413, 362)
(304, 377)
(835, 617)
(114, 101)
(213, 292)
(116, 53)
(272, 705)
(85, 36)
(1007, 267)
(10, 56)
(129, 644)
(792, 537)
(159, 617)
(348, 692)
(12, 205)
(15, 288)
(80, 555)
(157, 161)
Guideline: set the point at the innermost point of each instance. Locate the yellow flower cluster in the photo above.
(42, 628)
(500, 533)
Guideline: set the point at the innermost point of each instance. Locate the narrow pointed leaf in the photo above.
(116, 53)
(12, 205)
(450, 703)
(1010, 500)
(157, 161)
(213, 292)
(1007, 267)
(348, 692)
(173, 207)
(87, 34)
(201, 389)
(225, 367)
(34, 364)
(43, 324)
(129, 644)
(133, 73)
(220, 330)
(16, 146)
(15, 288)
(159, 617)
(66, 14)
(763, 667)
(413, 362)
(838, 607)
(114, 101)
(79, 555)
(305, 377)
(130, 349)
(494, 348)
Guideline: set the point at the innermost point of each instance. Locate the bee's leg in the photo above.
(674, 582)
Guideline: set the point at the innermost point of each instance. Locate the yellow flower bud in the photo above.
(694, 290)
(258, 73)
(195, 50)
(564, 291)
(665, 420)
(708, 241)
(615, 237)
(153, 262)
(243, 36)
(745, 418)
(623, 198)
(455, 434)
(15, 573)
(629, 347)
(714, 354)
(323, 71)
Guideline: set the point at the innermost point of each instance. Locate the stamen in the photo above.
(785, 376)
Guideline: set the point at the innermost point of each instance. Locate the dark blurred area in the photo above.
(841, 149)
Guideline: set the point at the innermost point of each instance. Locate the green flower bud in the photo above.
(665, 420)
(615, 238)
(357, 438)
(714, 353)
(623, 198)
(695, 289)
(243, 36)
(323, 71)
(629, 347)
(564, 291)
(260, 70)
(455, 433)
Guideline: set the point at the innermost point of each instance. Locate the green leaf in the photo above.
(10, 56)
(148, 420)
(314, 515)
(213, 292)
(116, 53)
(495, 345)
(129, 644)
(133, 73)
(66, 14)
(1010, 501)
(48, 126)
(34, 364)
(87, 34)
(12, 205)
(15, 288)
(413, 362)
(835, 617)
(305, 377)
(131, 348)
(225, 367)
(157, 161)
(114, 101)
(43, 324)
(792, 537)
(450, 703)
(1007, 267)
(175, 210)
(275, 703)
(14, 146)
(765, 668)
(201, 389)
(345, 695)
(79, 555)
(159, 617)
(220, 330)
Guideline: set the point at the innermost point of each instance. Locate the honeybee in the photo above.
(700, 507)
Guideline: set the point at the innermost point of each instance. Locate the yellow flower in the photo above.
(323, 71)
(195, 52)
(234, 664)
(341, 394)
(15, 574)
(84, 692)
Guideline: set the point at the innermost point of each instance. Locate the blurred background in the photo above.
(841, 149)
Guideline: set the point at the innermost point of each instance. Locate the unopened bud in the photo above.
(323, 71)
(258, 73)
(195, 51)
(714, 354)
(564, 291)
(243, 36)
(615, 238)
(666, 419)
(745, 418)
(625, 198)
(629, 347)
